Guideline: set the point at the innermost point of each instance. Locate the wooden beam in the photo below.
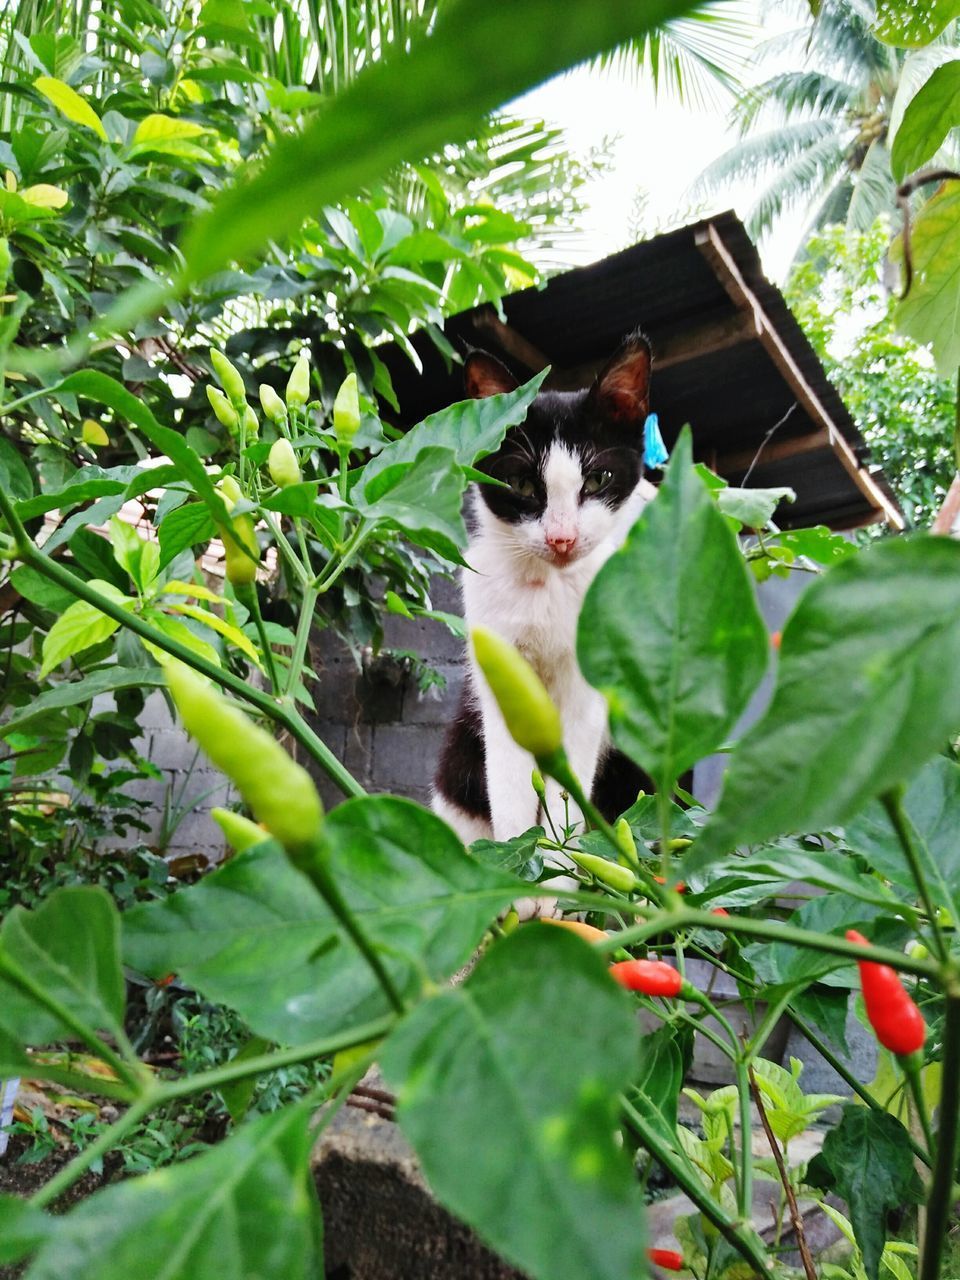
(675, 347)
(711, 245)
(949, 513)
(731, 464)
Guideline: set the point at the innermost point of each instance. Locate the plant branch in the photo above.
(795, 1215)
(892, 802)
(745, 1242)
(940, 1201)
(773, 931)
(125, 1071)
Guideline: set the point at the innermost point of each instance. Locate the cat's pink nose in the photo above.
(562, 544)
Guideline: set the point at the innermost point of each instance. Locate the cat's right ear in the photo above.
(484, 375)
(621, 392)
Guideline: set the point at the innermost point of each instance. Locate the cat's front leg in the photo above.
(513, 801)
(584, 714)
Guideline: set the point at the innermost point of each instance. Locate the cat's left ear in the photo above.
(621, 393)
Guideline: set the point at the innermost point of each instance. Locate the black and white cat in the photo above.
(575, 475)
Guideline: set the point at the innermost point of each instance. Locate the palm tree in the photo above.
(820, 135)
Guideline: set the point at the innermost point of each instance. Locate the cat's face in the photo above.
(575, 460)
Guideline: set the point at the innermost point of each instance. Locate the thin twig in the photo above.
(764, 442)
(904, 192)
(378, 1095)
(795, 1215)
(366, 1104)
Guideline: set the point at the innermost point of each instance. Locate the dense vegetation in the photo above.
(210, 219)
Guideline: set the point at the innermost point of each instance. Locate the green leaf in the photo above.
(865, 693)
(106, 390)
(785, 862)
(38, 589)
(89, 482)
(930, 313)
(256, 936)
(423, 498)
(75, 693)
(928, 119)
(69, 102)
(932, 804)
(819, 544)
(411, 106)
(214, 1215)
(168, 136)
(22, 1228)
(511, 855)
(81, 626)
(911, 24)
(670, 632)
(184, 527)
(471, 428)
(867, 1161)
(656, 1087)
(212, 620)
(518, 1070)
(69, 946)
(752, 507)
(14, 473)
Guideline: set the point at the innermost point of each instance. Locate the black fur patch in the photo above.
(461, 772)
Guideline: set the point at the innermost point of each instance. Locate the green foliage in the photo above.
(867, 1161)
(517, 1060)
(928, 311)
(676, 684)
(904, 408)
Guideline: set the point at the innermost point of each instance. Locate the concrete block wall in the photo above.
(386, 732)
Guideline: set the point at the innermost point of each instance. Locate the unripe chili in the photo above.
(649, 977)
(895, 1018)
(612, 873)
(240, 568)
(628, 846)
(223, 410)
(346, 410)
(528, 710)
(283, 465)
(298, 384)
(272, 405)
(230, 380)
(240, 832)
(280, 792)
(251, 424)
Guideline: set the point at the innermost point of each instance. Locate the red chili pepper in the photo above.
(719, 911)
(651, 977)
(669, 1259)
(896, 1020)
(775, 638)
(680, 887)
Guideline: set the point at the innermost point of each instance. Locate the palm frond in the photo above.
(874, 190)
(800, 181)
(790, 93)
(691, 58)
(754, 156)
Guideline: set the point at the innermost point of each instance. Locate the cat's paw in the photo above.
(536, 909)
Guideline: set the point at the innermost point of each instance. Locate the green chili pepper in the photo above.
(531, 717)
(620, 878)
(280, 793)
(241, 833)
(272, 405)
(251, 423)
(282, 464)
(628, 846)
(241, 568)
(223, 410)
(230, 379)
(346, 410)
(298, 385)
(536, 781)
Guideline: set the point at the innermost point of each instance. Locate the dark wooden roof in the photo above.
(729, 358)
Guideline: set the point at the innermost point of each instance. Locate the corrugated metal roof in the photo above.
(735, 363)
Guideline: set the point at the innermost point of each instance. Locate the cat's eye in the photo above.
(596, 481)
(522, 486)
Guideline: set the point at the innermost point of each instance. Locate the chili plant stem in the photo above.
(774, 931)
(307, 603)
(291, 720)
(940, 1201)
(795, 1215)
(129, 1073)
(247, 596)
(892, 801)
(744, 1241)
(915, 1084)
(324, 581)
(78, 1166)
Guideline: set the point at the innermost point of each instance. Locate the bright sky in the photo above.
(661, 149)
